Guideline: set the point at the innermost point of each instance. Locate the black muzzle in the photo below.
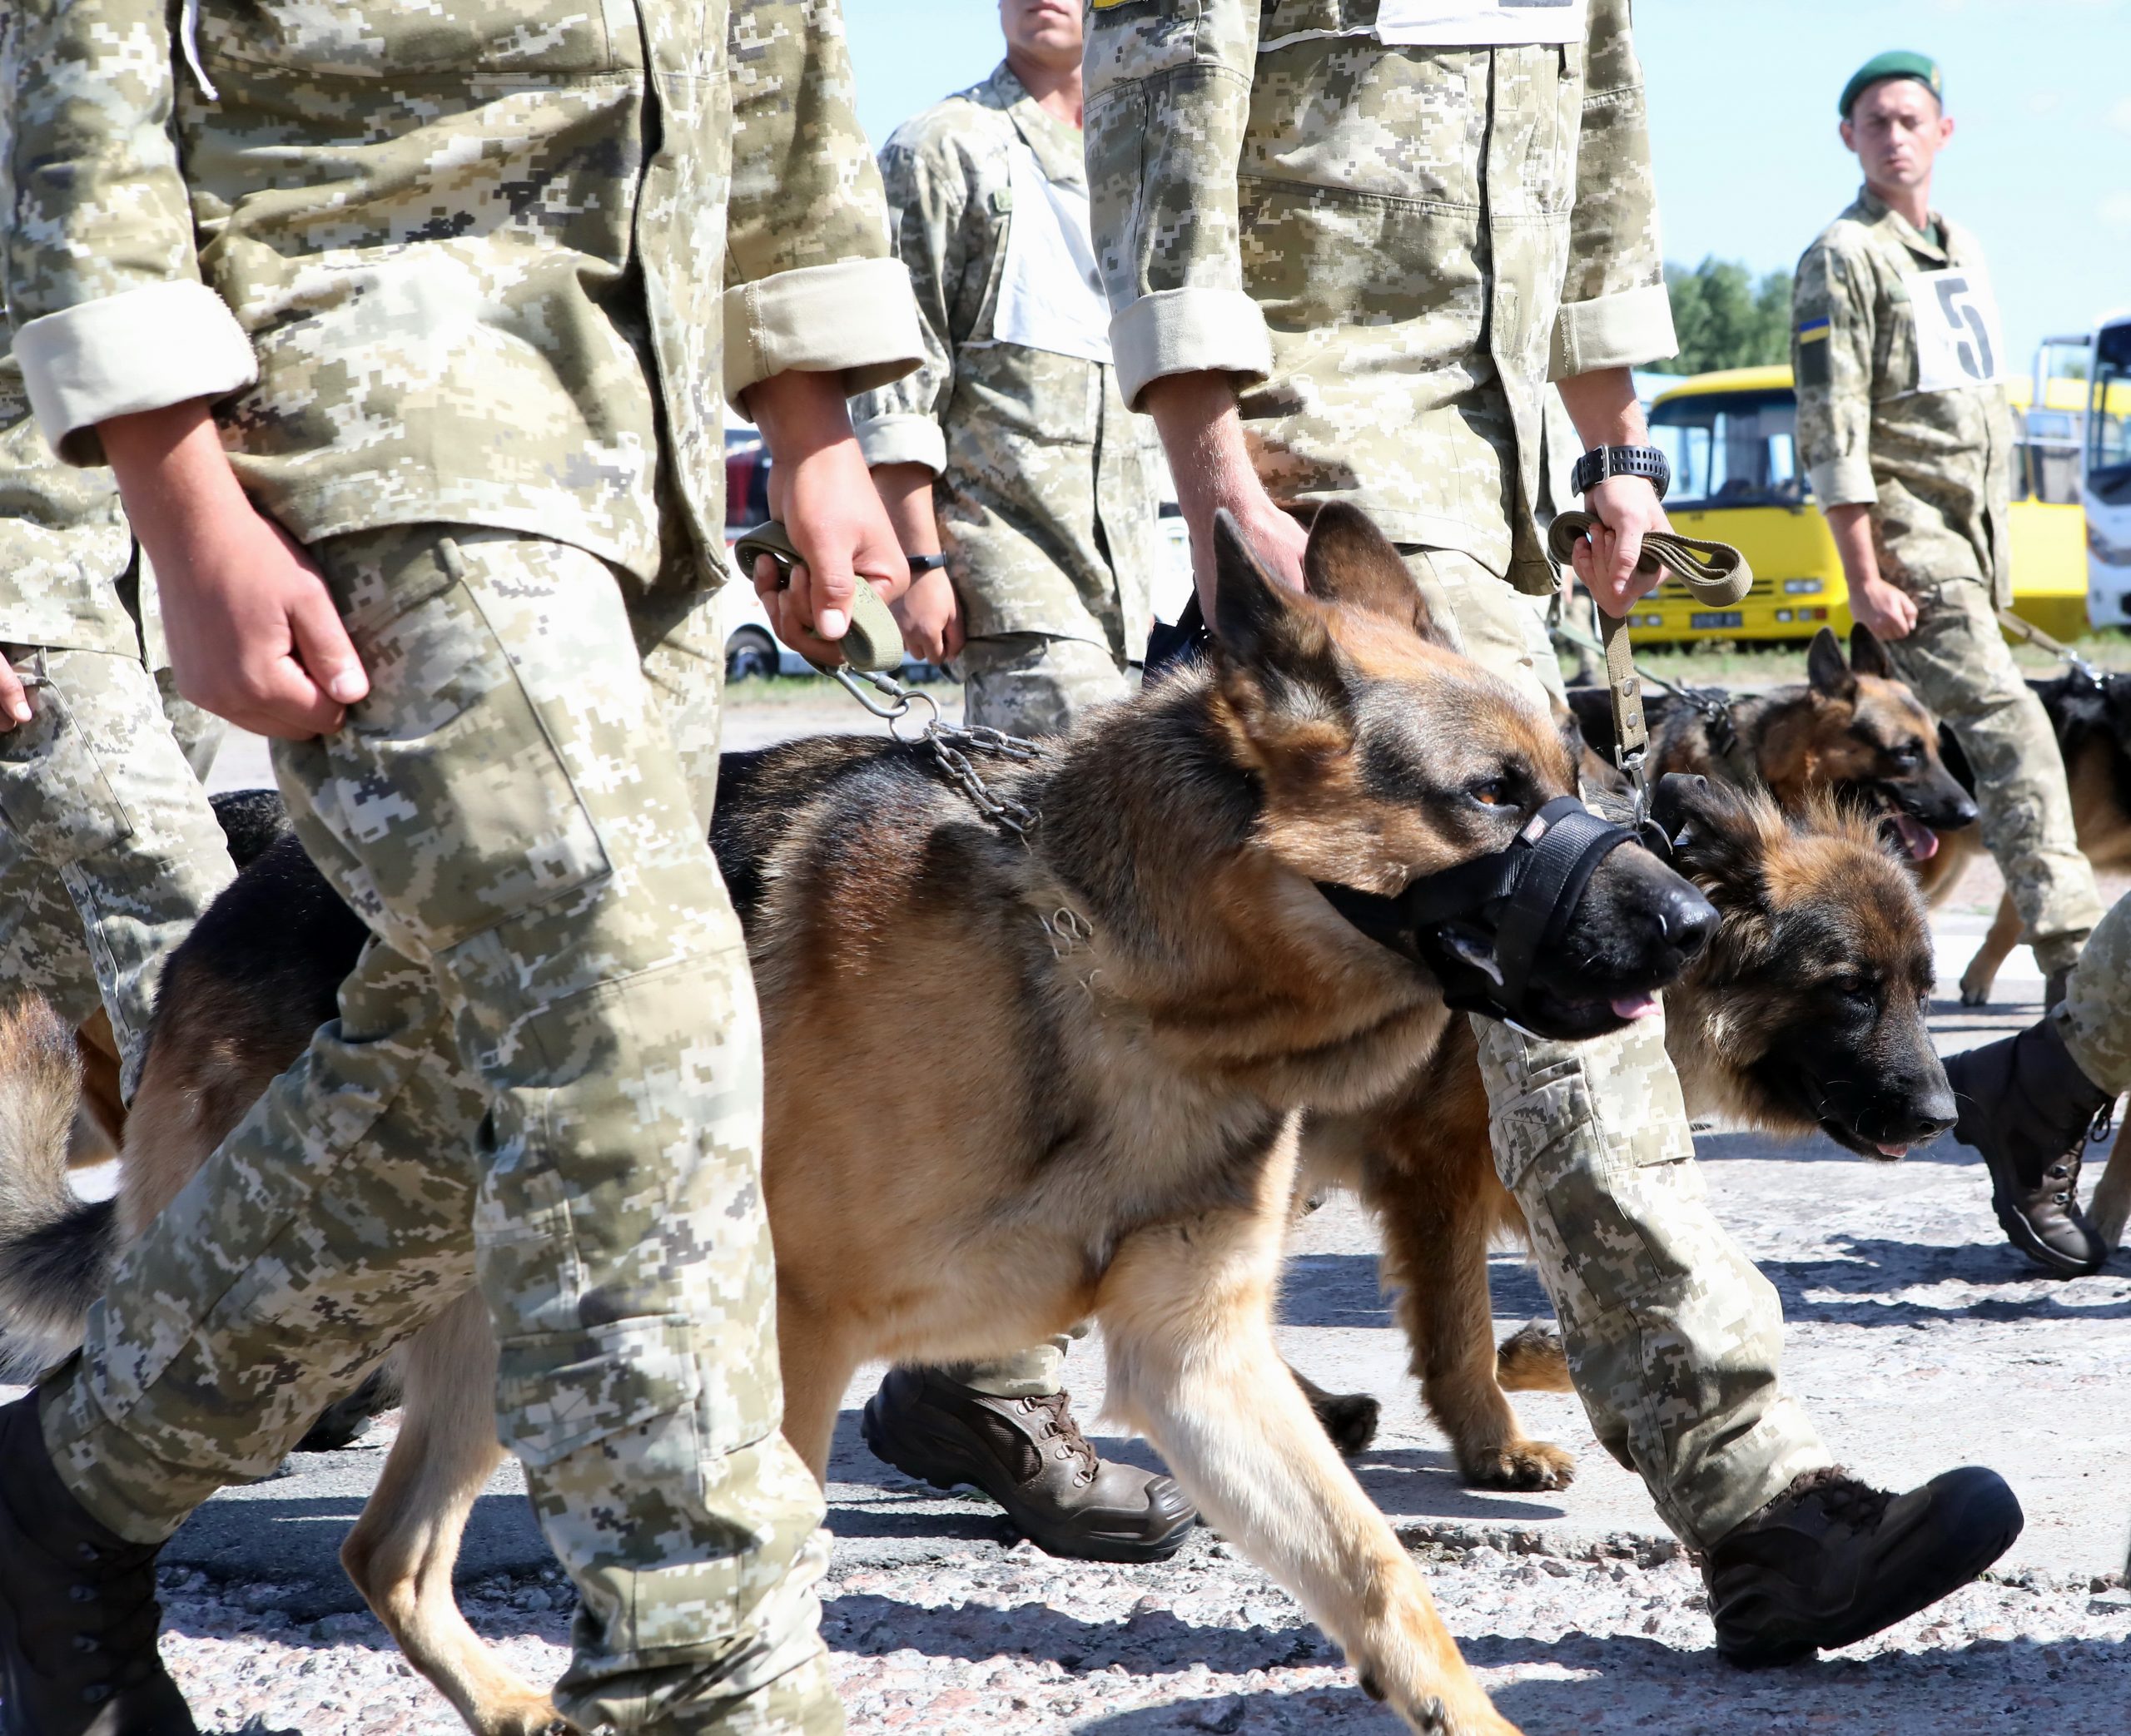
(1480, 928)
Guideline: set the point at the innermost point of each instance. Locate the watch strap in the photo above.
(1602, 462)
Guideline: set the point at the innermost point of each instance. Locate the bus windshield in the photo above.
(1730, 448)
(2108, 400)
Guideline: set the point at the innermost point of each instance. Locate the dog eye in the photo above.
(1905, 757)
(1855, 988)
(1492, 791)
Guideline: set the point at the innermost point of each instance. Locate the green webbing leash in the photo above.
(1715, 572)
(872, 646)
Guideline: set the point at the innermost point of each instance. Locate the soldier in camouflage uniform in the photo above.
(108, 849)
(1012, 448)
(467, 285)
(1347, 245)
(1904, 430)
(2030, 1102)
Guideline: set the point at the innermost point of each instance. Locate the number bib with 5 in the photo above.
(1959, 343)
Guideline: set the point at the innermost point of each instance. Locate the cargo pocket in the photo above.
(447, 805)
(54, 795)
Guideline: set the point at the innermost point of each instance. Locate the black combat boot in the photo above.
(78, 1608)
(1029, 1455)
(1830, 1561)
(2026, 1106)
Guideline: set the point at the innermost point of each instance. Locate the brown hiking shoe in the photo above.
(78, 1608)
(2026, 1106)
(1029, 1455)
(1832, 1559)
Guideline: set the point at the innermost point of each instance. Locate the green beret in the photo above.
(1895, 63)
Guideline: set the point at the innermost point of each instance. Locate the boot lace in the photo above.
(1059, 1424)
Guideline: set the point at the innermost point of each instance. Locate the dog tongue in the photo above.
(1920, 842)
(1891, 1149)
(1634, 1006)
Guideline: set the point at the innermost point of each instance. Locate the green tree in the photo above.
(1726, 320)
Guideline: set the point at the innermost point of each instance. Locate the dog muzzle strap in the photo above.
(1481, 927)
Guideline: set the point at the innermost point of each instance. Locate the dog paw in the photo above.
(1974, 993)
(1531, 1360)
(1350, 1419)
(1521, 1465)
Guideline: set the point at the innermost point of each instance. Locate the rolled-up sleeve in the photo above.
(1168, 99)
(810, 281)
(928, 179)
(101, 273)
(1831, 341)
(1615, 312)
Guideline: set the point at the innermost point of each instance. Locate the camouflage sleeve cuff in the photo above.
(1189, 331)
(1844, 482)
(857, 317)
(141, 349)
(902, 438)
(1629, 328)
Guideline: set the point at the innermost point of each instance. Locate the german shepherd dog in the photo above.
(1805, 1012)
(1852, 727)
(1137, 1006)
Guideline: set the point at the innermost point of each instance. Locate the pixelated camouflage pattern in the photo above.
(1029, 684)
(1674, 1337)
(1048, 503)
(109, 850)
(1940, 462)
(1410, 221)
(479, 245)
(2095, 1014)
(1957, 661)
(546, 1079)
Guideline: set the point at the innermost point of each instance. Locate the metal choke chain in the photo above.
(951, 745)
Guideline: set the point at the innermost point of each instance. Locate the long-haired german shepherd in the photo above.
(1852, 727)
(1134, 1011)
(1804, 1013)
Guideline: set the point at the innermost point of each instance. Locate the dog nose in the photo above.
(1688, 919)
(1930, 1112)
(1963, 813)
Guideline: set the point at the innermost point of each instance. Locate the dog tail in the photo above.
(1530, 1360)
(55, 1249)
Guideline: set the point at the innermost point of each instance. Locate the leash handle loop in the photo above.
(873, 643)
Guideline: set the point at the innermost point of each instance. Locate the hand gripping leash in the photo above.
(1715, 572)
(872, 646)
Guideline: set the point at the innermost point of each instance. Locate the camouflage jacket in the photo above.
(1392, 248)
(474, 260)
(1878, 424)
(1048, 487)
(63, 538)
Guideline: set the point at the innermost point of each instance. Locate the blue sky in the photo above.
(1743, 125)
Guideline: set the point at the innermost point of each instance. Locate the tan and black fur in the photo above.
(1095, 1051)
(1805, 1012)
(1852, 728)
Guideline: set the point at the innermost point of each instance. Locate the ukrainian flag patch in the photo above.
(1813, 368)
(1813, 329)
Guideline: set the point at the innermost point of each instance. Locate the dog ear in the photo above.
(1824, 669)
(1259, 623)
(1348, 561)
(1867, 655)
(1718, 839)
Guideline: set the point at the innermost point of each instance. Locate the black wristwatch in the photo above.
(1601, 462)
(921, 564)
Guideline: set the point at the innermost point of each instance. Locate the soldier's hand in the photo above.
(254, 634)
(1888, 610)
(931, 617)
(14, 702)
(821, 488)
(1609, 560)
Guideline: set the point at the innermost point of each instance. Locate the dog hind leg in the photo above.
(2006, 930)
(402, 1550)
(1188, 1324)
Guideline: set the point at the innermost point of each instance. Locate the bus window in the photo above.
(2046, 453)
(2108, 407)
(1730, 448)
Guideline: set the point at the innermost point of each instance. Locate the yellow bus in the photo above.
(1732, 439)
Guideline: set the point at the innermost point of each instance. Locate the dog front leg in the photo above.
(1186, 1315)
(401, 1551)
(2006, 929)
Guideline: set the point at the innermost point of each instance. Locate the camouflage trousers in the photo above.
(1031, 684)
(1034, 684)
(1672, 1335)
(109, 850)
(545, 1079)
(1957, 662)
(2095, 1014)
